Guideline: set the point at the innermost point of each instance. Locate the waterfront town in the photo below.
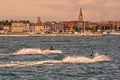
(80, 26)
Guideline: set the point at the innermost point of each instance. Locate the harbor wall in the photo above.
(47, 35)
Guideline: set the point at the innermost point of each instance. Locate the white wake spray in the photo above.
(20, 64)
(29, 63)
(69, 59)
(82, 59)
(29, 51)
(37, 51)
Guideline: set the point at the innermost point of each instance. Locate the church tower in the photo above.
(39, 21)
(80, 17)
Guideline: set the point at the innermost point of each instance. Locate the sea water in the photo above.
(24, 58)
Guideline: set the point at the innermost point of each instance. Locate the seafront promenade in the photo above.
(47, 35)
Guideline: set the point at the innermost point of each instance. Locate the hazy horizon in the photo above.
(60, 10)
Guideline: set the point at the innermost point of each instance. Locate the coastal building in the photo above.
(68, 25)
(115, 26)
(38, 27)
(1, 27)
(73, 26)
(54, 27)
(58, 27)
(109, 26)
(20, 27)
(49, 26)
(7, 28)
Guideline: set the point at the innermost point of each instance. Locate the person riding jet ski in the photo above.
(51, 48)
(92, 55)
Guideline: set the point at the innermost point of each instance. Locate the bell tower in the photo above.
(80, 17)
(39, 21)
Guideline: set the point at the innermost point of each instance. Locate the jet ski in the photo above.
(92, 55)
(51, 50)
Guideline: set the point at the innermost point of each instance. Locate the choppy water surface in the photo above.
(24, 58)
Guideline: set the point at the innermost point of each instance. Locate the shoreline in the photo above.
(48, 35)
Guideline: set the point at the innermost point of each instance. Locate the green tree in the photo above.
(75, 28)
(6, 22)
(95, 28)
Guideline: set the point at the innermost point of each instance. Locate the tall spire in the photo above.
(80, 15)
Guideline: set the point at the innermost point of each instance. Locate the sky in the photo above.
(60, 10)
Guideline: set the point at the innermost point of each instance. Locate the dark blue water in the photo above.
(39, 66)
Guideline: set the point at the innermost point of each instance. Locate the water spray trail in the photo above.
(68, 59)
(82, 59)
(37, 51)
